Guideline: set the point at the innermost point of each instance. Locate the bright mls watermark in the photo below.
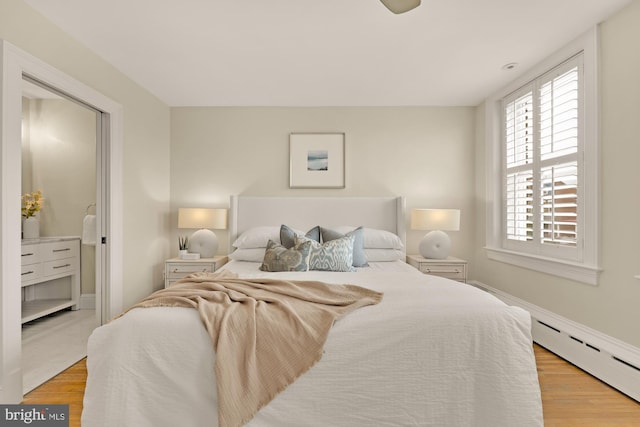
(34, 415)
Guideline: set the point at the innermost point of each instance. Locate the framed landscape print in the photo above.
(316, 160)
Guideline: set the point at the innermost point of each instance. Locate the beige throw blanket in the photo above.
(265, 332)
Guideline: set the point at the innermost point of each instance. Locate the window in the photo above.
(541, 163)
(544, 210)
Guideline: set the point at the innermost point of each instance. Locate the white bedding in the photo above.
(433, 353)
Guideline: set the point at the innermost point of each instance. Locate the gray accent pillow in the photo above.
(336, 255)
(287, 235)
(359, 257)
(279, 258)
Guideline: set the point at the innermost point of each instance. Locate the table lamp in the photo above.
(203, 241)
(436, 243)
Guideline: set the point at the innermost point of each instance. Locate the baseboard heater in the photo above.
(606, 358)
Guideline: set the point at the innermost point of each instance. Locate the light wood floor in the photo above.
(570, 397)
(53, 343)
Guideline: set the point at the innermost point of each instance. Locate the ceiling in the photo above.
(323, 52)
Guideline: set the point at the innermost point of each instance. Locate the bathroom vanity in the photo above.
(50, 276)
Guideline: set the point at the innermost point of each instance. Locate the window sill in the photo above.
(566, 269)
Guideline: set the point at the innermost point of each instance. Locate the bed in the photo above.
(433, 352)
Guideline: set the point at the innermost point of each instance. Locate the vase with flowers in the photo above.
(31, 204)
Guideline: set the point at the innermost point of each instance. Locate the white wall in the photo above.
(612, 306)
(145, 148)
(59, 158)
(425, 154)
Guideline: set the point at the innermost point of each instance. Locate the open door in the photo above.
(15, 64)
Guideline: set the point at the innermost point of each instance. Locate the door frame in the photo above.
(14, 63)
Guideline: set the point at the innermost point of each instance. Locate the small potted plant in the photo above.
(183, 245)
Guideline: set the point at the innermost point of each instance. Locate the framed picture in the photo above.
(316, 160)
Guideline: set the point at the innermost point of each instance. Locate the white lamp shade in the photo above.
(435, 219)
(202, 218)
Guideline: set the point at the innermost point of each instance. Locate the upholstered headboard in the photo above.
(384, 213)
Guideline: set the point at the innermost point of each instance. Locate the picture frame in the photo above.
(316, 160)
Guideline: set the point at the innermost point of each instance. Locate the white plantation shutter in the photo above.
(519, 206)
(519, 130)
(559, 197)
(559, 110)
(558, 122)
(519, 162)
(541, 163)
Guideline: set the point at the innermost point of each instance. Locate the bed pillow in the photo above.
(359, 257)
(383, 255)
(257, 237)
(279, 258)
(335, 255)
(287, 235)
(248, 254)
(375, 238)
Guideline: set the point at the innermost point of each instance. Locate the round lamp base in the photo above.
(435, 245)
(204, 242)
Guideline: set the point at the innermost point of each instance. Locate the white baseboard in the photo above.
(87, 301)
(611, 360)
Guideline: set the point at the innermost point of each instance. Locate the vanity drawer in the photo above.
(30, 254)
(30, 272)
(60, 266)
(58, 250)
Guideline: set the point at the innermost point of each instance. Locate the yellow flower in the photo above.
(31, 203)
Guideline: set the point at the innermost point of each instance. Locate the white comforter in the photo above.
(433, 353)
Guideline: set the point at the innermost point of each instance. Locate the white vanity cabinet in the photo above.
(44, 261)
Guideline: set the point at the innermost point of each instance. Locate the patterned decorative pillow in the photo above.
(279, 258)
(287, 235)
(335, 255)
(359, 257)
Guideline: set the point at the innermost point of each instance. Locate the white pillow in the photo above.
(248, 254)
(383, 255)
(375, 238)
(257, 237)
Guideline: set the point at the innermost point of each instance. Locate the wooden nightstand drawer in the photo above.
(450, 268)
(444, 270)
(178, 271)
(176, 268)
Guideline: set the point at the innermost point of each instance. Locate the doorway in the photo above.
(61, 140)
(16, 64)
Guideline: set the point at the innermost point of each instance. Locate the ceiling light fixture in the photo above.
(400, 6)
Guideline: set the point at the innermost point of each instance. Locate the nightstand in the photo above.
(451, 268)
(176, 268)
